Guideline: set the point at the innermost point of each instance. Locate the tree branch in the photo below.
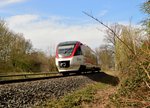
(132, 51)
(110, 30)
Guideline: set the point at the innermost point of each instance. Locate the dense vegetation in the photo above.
(128, 51)
(131, 46)
(18, 55)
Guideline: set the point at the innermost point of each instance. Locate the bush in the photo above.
(18, 55)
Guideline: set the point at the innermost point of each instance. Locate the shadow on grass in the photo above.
(104, 78)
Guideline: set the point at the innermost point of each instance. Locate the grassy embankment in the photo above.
(92, 95)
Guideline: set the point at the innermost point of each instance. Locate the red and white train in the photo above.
(73, 56)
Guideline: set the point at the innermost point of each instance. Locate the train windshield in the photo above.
(65, 50)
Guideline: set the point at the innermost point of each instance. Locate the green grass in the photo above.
(75, 99)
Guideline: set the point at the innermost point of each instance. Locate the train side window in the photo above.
(78, 52)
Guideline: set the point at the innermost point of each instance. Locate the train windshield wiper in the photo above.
(67, 50)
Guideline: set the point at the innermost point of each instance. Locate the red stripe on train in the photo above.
(73, 52)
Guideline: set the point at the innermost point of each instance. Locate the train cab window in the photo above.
(78, 51)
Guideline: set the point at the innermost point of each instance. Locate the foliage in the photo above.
(105, 57)
(51, 62)
(134, 89)
(13, 49)
(146, 9)
(135, 68)
(132, 59)
(18, 55)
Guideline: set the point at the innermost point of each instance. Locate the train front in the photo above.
(66, 61)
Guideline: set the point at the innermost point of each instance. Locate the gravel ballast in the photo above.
(33, 93)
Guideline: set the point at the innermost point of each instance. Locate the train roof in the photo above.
(68, 43)
(72, 43)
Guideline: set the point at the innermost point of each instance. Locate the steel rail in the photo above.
(29, 74)
(27, 77)
(49, 75)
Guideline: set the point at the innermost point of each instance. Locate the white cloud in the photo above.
(19, 20)
(47, 32)
(8, 2)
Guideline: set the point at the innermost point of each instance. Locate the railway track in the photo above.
(27, 93)
(33, 93)
(16, 78)
(5, 79)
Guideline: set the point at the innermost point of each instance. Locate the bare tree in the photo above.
(128, 45)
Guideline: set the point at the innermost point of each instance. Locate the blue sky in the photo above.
(107, 10)
(60, 20)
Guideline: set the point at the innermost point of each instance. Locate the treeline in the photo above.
(18, 55)
(127, 43)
